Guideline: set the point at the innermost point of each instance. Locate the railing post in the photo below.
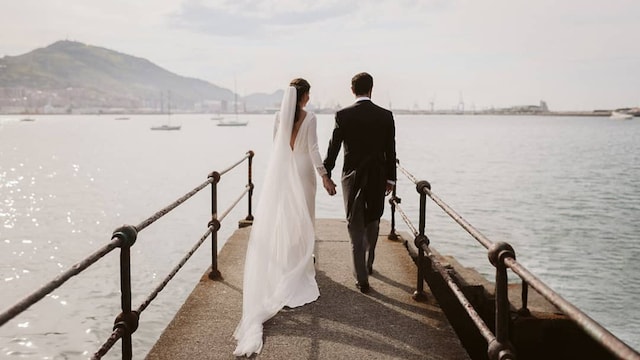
(420, 240)
(214, 224)
(248, 221)
(501, 349)
(524, 309)
(127, 319)
(392, 234)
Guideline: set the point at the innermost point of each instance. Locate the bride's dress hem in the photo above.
(256, 347)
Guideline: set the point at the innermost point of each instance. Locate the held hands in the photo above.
(329, 185)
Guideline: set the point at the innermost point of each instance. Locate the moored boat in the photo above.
(235, 122)
(620, 115)
(166, 127)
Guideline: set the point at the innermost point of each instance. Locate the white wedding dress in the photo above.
(279, 268)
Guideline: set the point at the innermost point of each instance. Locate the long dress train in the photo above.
(279, 269)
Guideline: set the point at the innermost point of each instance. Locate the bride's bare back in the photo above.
(296, 128)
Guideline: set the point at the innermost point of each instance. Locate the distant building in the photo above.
(210, 106)
(533, 109)
(524, 109)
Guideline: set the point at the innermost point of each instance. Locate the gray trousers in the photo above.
(363, 236)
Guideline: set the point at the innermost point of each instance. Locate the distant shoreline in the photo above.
(508, 113)
(599, 113)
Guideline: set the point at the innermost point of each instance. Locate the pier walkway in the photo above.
(343, 323)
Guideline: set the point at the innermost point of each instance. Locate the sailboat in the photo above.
(233, 122)
(236, 121)
(168, 125)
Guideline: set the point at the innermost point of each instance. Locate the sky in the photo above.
(573, 54)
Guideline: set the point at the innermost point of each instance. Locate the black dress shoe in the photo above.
(364, 288)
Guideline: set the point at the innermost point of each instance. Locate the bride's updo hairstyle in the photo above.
(302, 87)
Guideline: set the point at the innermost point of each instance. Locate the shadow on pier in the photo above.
(342, 324)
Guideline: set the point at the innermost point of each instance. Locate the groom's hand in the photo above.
(329, 185)
(388, 189)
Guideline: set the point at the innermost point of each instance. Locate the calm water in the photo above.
(563, 191)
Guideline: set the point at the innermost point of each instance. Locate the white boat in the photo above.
(620, 115)
(236, 121)
(217, 117)
(168, 125)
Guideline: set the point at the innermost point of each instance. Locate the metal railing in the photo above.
(502, 256)
(124, 237)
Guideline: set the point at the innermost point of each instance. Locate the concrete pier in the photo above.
(343, 323)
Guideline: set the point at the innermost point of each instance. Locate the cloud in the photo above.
(254, 18)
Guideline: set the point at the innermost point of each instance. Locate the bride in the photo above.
(279, 268)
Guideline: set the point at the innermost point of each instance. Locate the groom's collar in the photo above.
(363, 98)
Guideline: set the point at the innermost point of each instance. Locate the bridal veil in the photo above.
(278, 268)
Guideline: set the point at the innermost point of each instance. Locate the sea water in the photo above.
(563, 191)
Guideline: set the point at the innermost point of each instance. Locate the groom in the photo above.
(368, 173)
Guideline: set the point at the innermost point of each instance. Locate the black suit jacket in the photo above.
(368, 134)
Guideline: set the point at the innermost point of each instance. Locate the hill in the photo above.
(264, 102)
(69, 76)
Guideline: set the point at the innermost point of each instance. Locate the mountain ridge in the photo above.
(71, 75)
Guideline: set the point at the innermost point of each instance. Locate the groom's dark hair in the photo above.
(362, 83)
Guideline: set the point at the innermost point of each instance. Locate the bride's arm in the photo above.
(314, 151)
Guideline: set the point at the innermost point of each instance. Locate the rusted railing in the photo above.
(124, 237)
(502, 256)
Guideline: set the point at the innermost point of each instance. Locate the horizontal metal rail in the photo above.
(129, 320)
(173, 272)
(593, 328)
(451, 283)
(172, 206)
(119, 331)
(406, 173)
(248, 155)
(600, 334)
(233, 205)
(453, 286)
(447, 209)
(124, 237)
(37, 295)
(475, 233)
(116, 335)
(91, 259)
(405, 217)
